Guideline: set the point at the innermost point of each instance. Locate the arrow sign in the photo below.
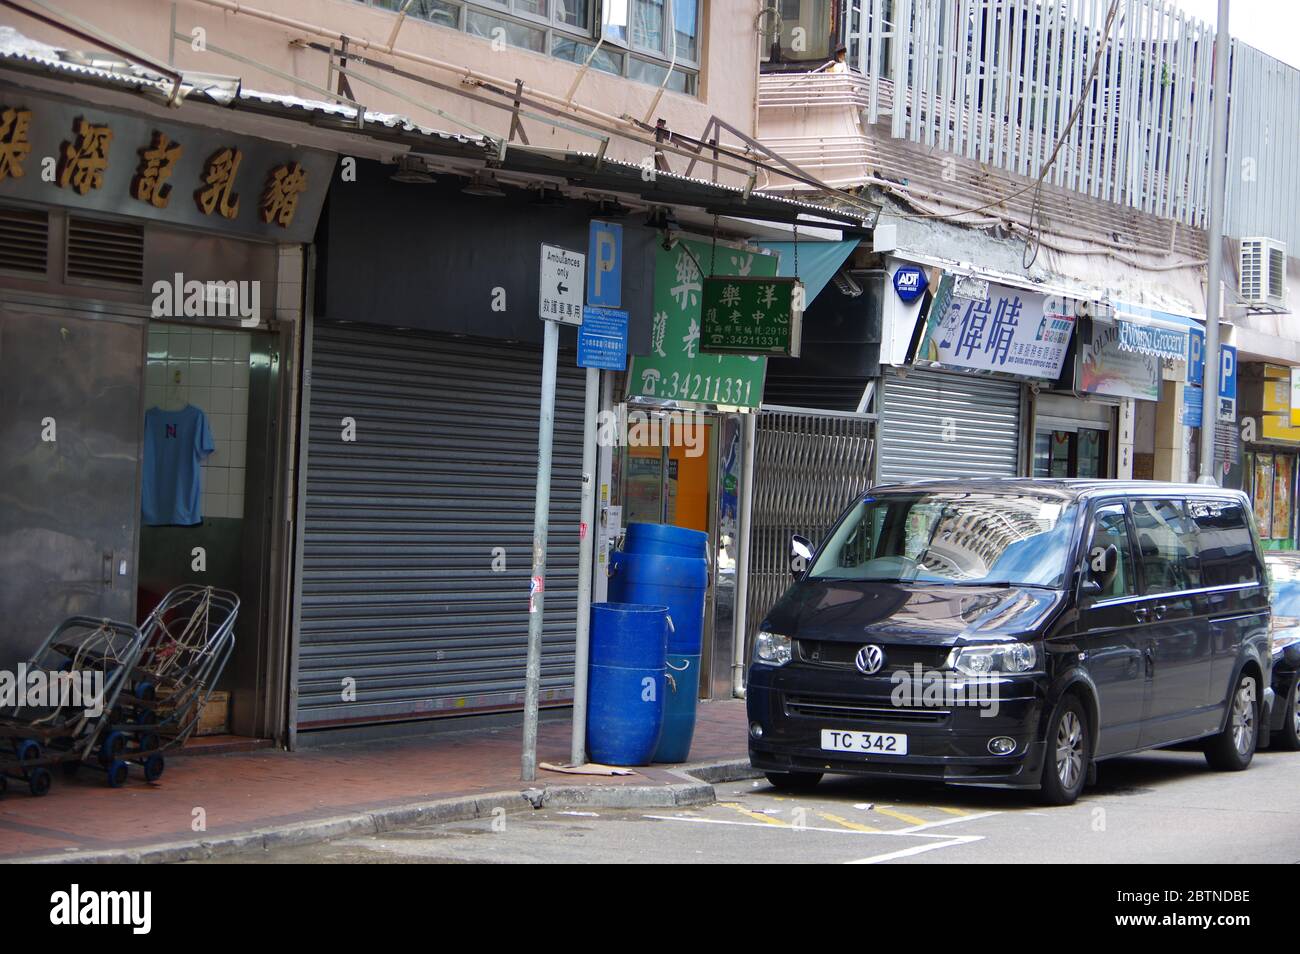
(564, 271)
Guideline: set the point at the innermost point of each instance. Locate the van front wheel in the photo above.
(1069, 749)
(1233, 748)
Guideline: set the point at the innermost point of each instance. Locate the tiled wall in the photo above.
(213, 368)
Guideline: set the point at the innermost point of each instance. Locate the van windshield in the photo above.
(961, 539)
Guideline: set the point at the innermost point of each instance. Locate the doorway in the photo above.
(209, 397)
(1065, 449)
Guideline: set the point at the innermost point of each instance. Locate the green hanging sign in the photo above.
(752, 315)
(676, 369)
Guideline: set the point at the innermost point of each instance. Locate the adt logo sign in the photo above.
(910, 283)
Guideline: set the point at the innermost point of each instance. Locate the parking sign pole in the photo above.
(1218, 179)
(578, 746)
(541, 519)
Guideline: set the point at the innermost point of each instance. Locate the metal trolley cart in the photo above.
(85, 663)
(188, 639)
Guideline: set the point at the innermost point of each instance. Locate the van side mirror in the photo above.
(801, 553)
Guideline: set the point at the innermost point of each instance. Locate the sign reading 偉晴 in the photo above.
(1012, 331)
(676, 369)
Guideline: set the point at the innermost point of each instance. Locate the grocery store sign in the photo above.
(1148, 339)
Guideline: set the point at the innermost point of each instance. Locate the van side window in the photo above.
(1166, 539)
(1109, 527)
(1227, 553)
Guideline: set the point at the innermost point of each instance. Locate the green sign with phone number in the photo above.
(676, 369)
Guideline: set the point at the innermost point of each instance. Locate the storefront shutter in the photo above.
(399, 587)
(947, 425)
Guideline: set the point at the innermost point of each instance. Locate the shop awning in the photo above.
(818, 262)
(1150, 331)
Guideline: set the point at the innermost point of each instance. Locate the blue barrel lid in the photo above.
(665, 539)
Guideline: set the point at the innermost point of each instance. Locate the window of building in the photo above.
(1270, 481)
(638, 34)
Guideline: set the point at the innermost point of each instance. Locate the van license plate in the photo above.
(870, 743)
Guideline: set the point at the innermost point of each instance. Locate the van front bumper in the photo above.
(945, 742)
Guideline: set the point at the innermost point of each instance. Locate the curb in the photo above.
(696, 788)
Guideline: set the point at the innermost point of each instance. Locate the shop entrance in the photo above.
(686, 473)
(209, 396)
(1078, 452)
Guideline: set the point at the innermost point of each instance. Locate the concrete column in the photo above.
(1171, 450)
(1124, 440)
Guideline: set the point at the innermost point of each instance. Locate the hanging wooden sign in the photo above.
(751, 315)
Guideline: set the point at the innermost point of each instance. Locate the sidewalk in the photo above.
(269, 796)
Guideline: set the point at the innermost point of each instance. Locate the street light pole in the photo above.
(1218, 188)
(541, 522)
(578, 737)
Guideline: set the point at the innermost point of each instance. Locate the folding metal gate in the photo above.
(417, 547)
(808, 465)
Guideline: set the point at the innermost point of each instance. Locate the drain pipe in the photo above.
(740, 637)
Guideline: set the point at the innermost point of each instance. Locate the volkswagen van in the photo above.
(1015, 633)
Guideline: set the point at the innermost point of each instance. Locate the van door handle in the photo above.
(1141, 613)
(1161, 610)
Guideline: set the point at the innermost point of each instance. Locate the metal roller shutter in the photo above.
(398, 586)
(979, 417)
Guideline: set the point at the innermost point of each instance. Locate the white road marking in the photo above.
(796, 828)
(917, 849)
(944, 821)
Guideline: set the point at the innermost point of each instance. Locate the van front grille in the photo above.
(849, 709)
(841, 655)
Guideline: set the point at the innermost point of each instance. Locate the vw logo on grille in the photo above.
(869, 660)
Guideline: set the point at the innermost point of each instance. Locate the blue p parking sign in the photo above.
(605, 268)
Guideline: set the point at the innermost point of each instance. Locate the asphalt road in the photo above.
(1159, 807)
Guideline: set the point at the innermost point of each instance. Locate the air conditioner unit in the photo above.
(1263, 272)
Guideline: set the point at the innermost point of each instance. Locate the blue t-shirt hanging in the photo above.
(175, 444)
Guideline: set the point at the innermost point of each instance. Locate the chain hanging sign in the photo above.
(751, 316)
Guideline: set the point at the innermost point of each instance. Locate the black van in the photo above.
(1014, 633)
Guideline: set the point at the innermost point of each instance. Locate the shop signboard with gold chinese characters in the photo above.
(95, 160)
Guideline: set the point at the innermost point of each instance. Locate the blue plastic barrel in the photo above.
(625, 684)
(679, 708)
(661, 564)
(665, 540)
(679, 582)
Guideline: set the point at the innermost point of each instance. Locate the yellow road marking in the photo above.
(755, 815)
(952, 811)
(901, 816)
(855, 826)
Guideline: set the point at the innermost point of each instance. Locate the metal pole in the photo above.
(740, 637)
(541, 519)
(578, 747)
(1218, 184)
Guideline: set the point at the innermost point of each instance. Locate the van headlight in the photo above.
(993, 659)
(772, 648)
